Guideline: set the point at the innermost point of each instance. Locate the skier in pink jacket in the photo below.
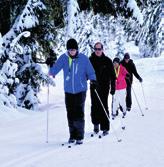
(120, 93)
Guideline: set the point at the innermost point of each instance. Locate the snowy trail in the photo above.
(29, 142)
(23, 133)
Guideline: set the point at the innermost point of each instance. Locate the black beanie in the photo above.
(126, 56)
(116, 59)
(72, 44)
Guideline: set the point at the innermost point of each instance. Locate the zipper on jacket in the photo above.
(81, 83)
(73, 75)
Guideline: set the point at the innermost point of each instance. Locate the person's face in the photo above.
(72, 52)
(116, 64)
(98, 50)
(126, 60)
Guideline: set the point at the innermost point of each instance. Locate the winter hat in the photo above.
(72, 44)
(116, 60)
(126, 56)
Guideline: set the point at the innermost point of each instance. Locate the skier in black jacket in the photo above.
(105, 75)
(131, 68)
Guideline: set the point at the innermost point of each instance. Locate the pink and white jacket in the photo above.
(120, 77)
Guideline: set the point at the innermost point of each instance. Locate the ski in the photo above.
(68, 145)
(121, 121)
(102, 135)
(123, 127)
(93, 134)
(98, 135)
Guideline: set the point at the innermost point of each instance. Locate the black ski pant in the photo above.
(128, 95)
(75, 114)
(98, 116)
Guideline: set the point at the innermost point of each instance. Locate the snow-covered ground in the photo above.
(23, 133)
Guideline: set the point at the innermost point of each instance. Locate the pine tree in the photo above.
(136, 12)
(133, 19)
(120, 39)
(29, 72)
(149, 37)
(71, 19)
(8, 79)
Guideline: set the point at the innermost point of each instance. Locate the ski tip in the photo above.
(123, 128)
(100, 136)
(119, 140)
(92, 135)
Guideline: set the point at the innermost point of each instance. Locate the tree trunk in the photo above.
(5, 16)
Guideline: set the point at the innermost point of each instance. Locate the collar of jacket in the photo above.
(73, 57)
(99, 57)
(130, 61)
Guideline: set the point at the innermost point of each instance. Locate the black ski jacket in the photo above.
(104, 70)
(131, 68)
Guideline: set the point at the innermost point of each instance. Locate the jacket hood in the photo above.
(130, 61)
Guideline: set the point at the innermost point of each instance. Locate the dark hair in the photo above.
(116, 59)
(126, 56)
(98, 43)
(72, 44)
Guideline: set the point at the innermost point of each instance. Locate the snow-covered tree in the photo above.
(104, 14)
(71, 19)
(120, 40)
(136, 12)
(29, 72)
(29, 50)
(149, 37)
(8, 80)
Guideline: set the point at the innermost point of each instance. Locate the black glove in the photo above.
(112, 91)
(49, 61)
(127, 76)
(93, 84)
(140, 79)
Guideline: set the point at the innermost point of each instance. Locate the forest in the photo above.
(32, 30)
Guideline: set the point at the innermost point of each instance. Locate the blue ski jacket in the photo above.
(76, 72)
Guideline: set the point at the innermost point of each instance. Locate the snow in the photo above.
(31, 20)
(132, 49)
(132, 4)
(72, 12)
(23, 132)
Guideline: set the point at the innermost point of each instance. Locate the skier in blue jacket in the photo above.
(77, 70)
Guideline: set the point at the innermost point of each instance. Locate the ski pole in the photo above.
(144, 97)
(47, 115)
(119, 140)
(137, 102)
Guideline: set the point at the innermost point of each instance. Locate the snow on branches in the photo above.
(20, 75)
(136, 11)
